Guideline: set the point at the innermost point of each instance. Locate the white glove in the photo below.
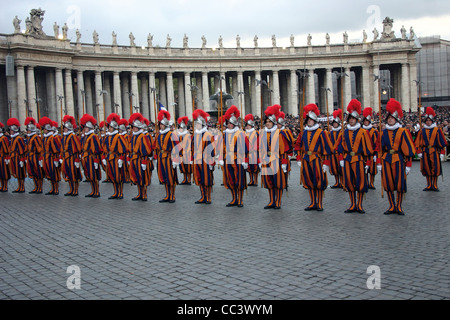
(191, 162)
(210, 167)
(95, 165)
(150, 158)
(144, 167)
(341, 163)
(21, 164)
(221, 162)
(260, 165)
(374, 158)
(245, 165)
(366, 168)
(407, 170)
(120, 163)
(56, 163)
(324, 168)
(175, 165)
(41, 164)
(6, 161)
(104, 162)
(61, 161)
(77, 165)
(299, 163)
(379, 167)
(420, 155)
(442, 157)
(284, 167)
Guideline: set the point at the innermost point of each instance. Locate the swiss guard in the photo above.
(203, 156)
(430, 145)
(5, 173)
(273, 145)
(71, 150)
(253, 149)
(374, 137)
(234, 157)
(168, 159)
(17, 154)
(52, 151)
(315, 147)
(335, 167)
(34, 155)
(123, 131)
(115, 150)
(287, 134)
(141, 153)
(91, 155)
(395, 157)
(185, 140)
(355, 147)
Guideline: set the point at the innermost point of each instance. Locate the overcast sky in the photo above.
(228, 18)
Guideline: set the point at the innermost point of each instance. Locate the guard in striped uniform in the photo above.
(272, 146)
(335, 167)
(92, 153)
(186, 152)
(203, 147)
(314, 148)
(141, 152)
(17, 154)
(395, 157)
(355, 147)
(5, 159)
(234, 157)
(71, 152)
(123, 131)
(374, 137)
(52, 150)
(168, 156)
(115, 150)
(34, 155)
(430, 145)
(253, 149)
(102, 137)
(287, 134)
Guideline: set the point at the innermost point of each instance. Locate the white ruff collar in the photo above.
(250, 130)
(15, 135)
(31, 134)
(138, 132)
(46, 135)
(394, 127)
(367, 127)
(336, 129)
(274, 128)
(313, 128)
(202, 130)
(430, 127)
(164, 131)
(181, 134)
(230, 131)
(67, 133)
(89, 132)
(355, 127)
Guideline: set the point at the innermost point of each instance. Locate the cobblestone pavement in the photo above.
(151, 250)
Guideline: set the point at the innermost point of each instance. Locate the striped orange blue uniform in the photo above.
(234, 153)
(186, 156)
(335, 168)
(5, 173)
(285, 157)
(71, 169)
(127, 139)
(355, 147)
(430, 143)
(166, 144)
(253, 156)
(91, 156)
(374, 135)
(397, 151)
(52, 150)
(314, 147)
(203, 163)
(34, 158)
(115, 148)
(140, 174)
(18, 156)
(272, 147)
(102, 139)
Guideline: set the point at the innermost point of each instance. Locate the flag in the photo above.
(161, 107)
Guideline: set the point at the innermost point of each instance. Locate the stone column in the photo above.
(31, 92)
(145, 96)
(182, 92)
(258, 104)
(11, 85)
(366, 83)
(117, 95)
(311, 87)
(135, 91)
(170, 95)
(240, 85)
(125, 83)
(375, 96)
(21, 94)
(205, 90)
(80, 94)
(153, 99)
(293, 109)
(59, 93)
(188, 96)
(69, 93)
(276, 90)
(347, 88)
(107, 96)
(405, 87)
(329, 85)
(100, 111)
(163, 91)
(89, 99)
(413, 87)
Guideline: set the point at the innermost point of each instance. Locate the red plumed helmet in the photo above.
(354, 108)
(367, 113)
(113, 117)
(123, 122)
(102, 124)
(272, 113)
(46, 123)
(30, 123)
(2, 125)
(429, 113)
(164, 117)
(200, 116)
(88, 121)
(69, 122)
(183, 122)
(394, 108)
(146, 121)
(13, 124)
(137, 120)
(250, 120)
(311, 111)
(232, 115)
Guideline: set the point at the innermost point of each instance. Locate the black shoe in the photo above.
(136, 198)
(171, 201)
(436, 190)
(231, 205)
(74, 195)
(401, 213)
(362, 211)
(310, 208)
(319, 209)
(240, 205)
(269, 207)
(277, 207)
(349, 211)
(387, 212)
(144, 199)
(207, 202)
(32, 192)
(335, 187)
(427, 189)
(68, 194)
(372, 188)
(121, 197)
(89, 196)
(49, 193)
(163, 200)
(96, 196)
(199, 202)
(113, 197)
